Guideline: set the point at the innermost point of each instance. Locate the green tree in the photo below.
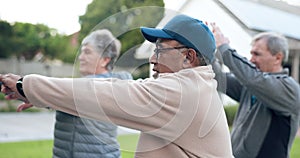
(30, 39)
(97, 11)
(6, 33)
(26, 40)
(62, 46)
(123, 18)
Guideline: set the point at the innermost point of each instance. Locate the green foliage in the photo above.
(230, 111)
(97, 11)
(5, 40)
(29, 39)
(25, 40)
(69, 56)
(54, 45)
(122, 18)
(5, 29)
(58, 46)
(2, 96)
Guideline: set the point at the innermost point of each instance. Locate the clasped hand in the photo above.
(10, 90)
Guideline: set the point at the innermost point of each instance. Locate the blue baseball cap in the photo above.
(190, 32)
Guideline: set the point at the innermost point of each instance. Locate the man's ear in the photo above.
(191, 59)
(279, 58)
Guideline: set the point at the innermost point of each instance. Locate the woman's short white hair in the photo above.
(105, 44)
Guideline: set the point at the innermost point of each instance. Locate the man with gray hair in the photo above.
(267, 119)
(76, 137)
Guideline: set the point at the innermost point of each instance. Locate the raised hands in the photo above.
(219, 36)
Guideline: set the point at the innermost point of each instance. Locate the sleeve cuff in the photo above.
(223, 48)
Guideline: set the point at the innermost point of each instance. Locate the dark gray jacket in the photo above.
(76, 137)
(268, 116)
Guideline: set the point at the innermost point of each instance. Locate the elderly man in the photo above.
(179, 113)
(268, 116)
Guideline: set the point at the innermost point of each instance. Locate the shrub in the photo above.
(230, 111)
(2, 96)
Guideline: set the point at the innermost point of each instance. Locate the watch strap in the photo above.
(19, 86)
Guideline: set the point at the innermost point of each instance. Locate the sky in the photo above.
(291, 2)
(59, 14)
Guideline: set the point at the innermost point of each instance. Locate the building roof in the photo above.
(238, 20)
(259, 16)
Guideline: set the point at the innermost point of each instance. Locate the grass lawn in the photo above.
(295, 153)
(43, 149)
(30, 149)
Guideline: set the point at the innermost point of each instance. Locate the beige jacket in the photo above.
(179, 114)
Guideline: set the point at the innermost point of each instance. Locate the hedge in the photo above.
(230, 111)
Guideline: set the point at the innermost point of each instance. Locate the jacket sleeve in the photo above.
(227, 82)
(278, 92)
(147, 105)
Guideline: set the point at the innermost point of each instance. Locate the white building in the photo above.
(240, 20)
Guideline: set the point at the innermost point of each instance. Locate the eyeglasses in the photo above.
(157, 51)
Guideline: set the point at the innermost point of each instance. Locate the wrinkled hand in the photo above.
(219, 36)
(9, 87)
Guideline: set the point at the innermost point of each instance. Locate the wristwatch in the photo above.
(19, 86)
